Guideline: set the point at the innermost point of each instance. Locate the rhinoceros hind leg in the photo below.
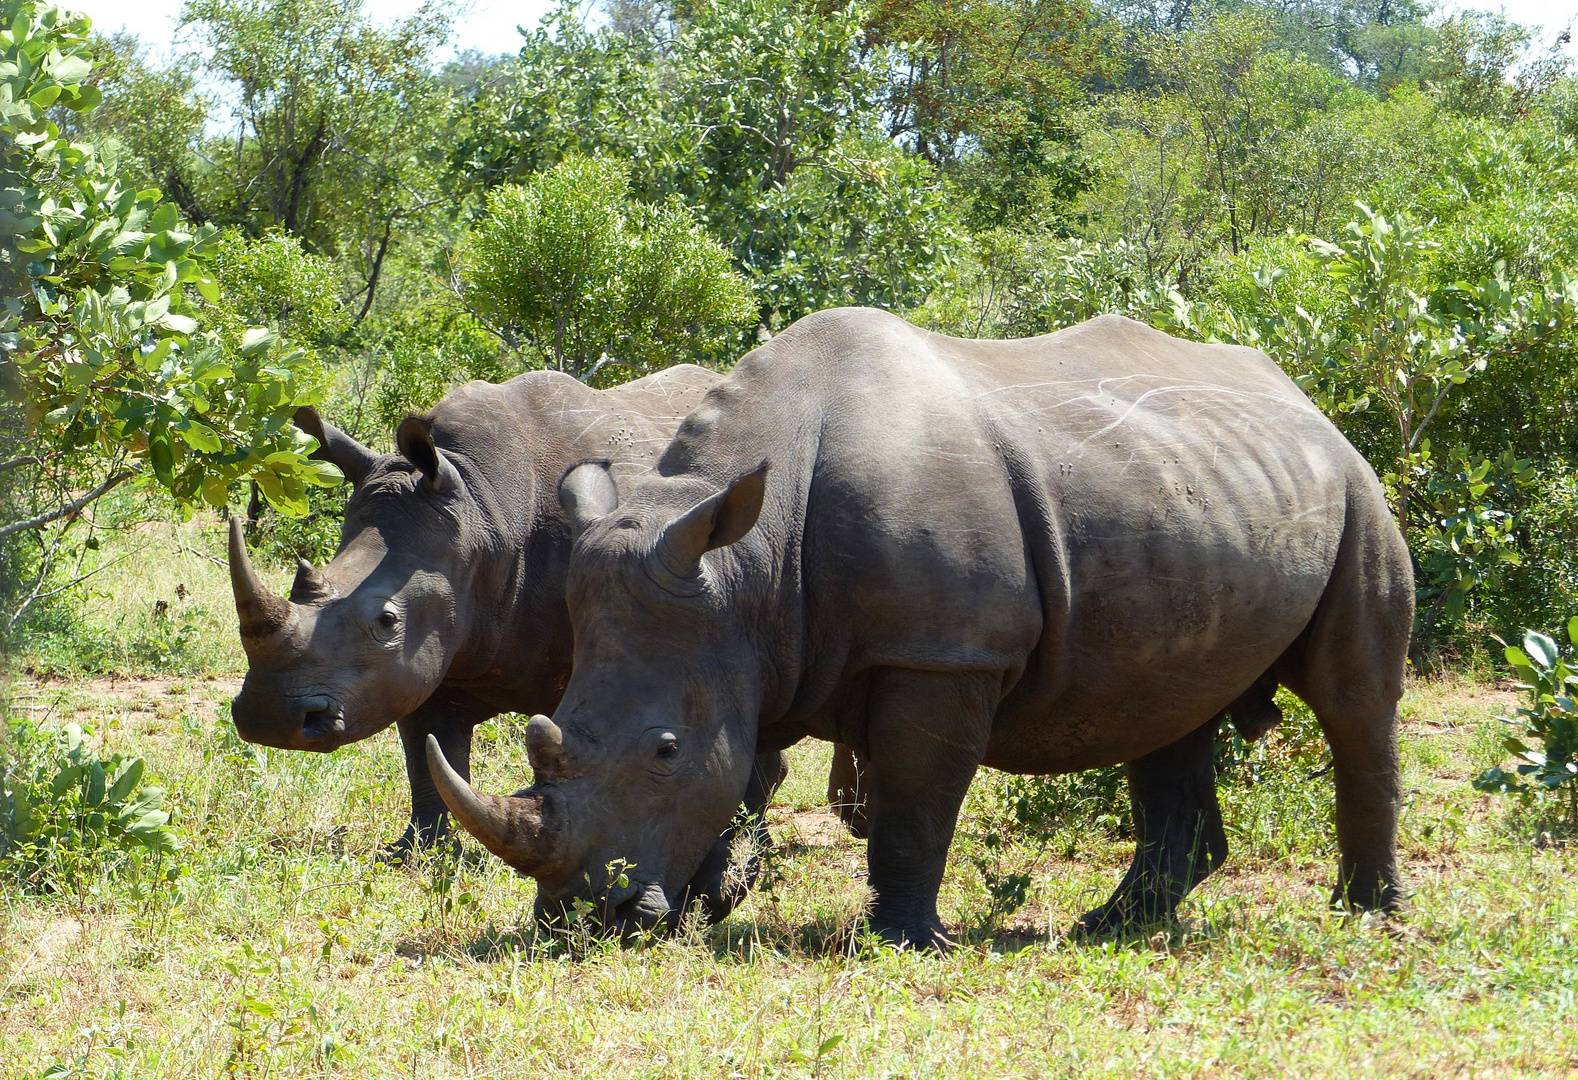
(1350, 669)
(1364, 758)
(730, 868)
(1178, 831)
(846, 790)
(927, 732)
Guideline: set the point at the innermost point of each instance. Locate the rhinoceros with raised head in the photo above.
(444, 604)
(1041, 556)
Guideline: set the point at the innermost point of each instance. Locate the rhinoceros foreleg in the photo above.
(1178, 832)
(730, 868)
(429, 823)
(846, 790)
(926, 733)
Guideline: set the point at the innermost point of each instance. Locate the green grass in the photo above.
(285, 950)
(157, 603)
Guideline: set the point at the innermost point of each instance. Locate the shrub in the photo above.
(1550, 719)
(68, 816)
(571, 265)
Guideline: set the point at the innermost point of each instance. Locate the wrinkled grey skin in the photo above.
(444, 605)
(1043, 556)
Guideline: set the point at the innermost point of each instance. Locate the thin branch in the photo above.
(1429, 416)
(378, 265)
(70, 508)
(18, 462)
(184, 550)
(73, 583)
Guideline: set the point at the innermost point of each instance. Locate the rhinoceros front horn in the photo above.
(518, 829)
(264, 616)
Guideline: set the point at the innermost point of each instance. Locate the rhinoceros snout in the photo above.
(289, 723)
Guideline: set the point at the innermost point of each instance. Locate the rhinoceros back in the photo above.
(1131, 527)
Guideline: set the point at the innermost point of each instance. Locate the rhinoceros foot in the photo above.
(927, 936)
(426, 835)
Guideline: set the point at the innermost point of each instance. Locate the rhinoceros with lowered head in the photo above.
(444, 605)
(1041, 556)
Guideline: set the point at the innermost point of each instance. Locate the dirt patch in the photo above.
(808, 828)
(62, 699)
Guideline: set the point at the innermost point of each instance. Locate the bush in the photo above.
(569, 264)
(69, 816)
(1550, 719)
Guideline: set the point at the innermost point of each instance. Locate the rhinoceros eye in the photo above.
(668, 745)
(389, 617)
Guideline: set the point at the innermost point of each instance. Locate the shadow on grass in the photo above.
(740, 940)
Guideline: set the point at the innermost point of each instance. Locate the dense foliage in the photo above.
(111, 368)
(1379, 194)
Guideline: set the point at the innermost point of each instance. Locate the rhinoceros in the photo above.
(444, 604)
(1041, 556)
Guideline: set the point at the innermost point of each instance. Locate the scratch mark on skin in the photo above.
(1139, 401)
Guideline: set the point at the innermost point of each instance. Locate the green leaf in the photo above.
(126, 781)
(71, 69)
(86, 99)
(1541, 649)
(162, 457)
(258, 340)
(322, 473)
(215, 491)
(201, 437)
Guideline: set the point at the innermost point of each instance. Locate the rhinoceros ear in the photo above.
(587, 493)
(334, 446)
(414, 437)
(717, 521)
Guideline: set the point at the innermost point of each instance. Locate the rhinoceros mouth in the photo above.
(645, 912)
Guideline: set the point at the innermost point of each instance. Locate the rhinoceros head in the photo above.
(362, 642)
(649, 753)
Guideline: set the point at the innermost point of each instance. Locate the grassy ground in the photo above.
(284, 949)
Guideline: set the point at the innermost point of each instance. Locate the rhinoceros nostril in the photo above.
(322, 720)
(648, 910)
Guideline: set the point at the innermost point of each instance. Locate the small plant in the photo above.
(1007, 890)
(449, 900)
(273, 1008)
(66, 814)
(1550, 719)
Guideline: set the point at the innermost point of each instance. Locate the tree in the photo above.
(107, 372)
(765, 116)
(997, 71)
(335, 127)
(570, 265)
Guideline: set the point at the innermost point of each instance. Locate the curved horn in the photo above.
(263, 615)
(517, 829)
